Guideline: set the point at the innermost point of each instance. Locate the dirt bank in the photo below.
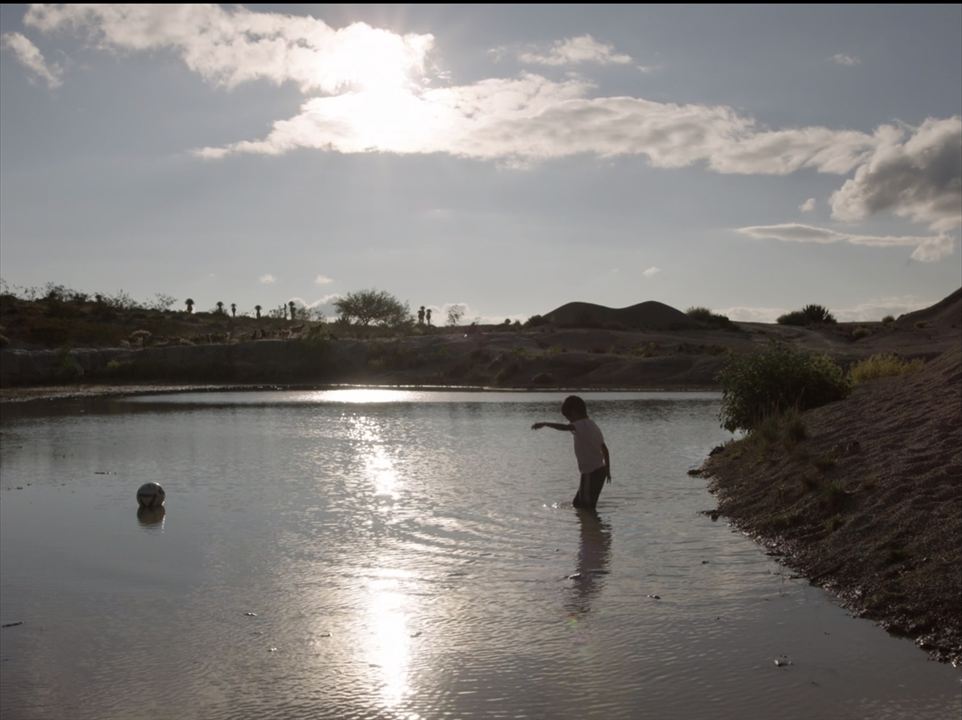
(869, 503)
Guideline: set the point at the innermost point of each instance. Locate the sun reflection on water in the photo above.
(389, 646)
(380, 470)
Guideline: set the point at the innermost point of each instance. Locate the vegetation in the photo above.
(373, 306)
(757, 386)
(706, 316)
(882, 365)
(808, 315)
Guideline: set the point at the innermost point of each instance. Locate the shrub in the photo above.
(860, 332)
(882, 365)
(887, 319)
(773, 381)
(706, 316)
(808, 315)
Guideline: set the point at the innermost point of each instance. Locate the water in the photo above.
(406, 555)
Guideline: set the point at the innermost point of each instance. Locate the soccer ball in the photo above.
(150, 495)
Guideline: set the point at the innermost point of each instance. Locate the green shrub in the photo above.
(882, 365)
(860, 332)
(887, 319)
(775, 380)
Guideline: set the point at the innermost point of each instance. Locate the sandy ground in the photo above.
(869, 504)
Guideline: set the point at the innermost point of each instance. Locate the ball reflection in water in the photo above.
(151, 516)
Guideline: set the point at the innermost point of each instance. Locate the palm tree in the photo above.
(257, 309)
(190, 305)
(291, 304)
(233, 310)
(220, 308)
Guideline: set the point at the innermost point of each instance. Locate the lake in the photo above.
(406, 554)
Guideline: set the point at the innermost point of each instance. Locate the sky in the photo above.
(510, 159)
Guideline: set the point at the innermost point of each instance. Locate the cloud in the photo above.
(877, 308)
(230, 46)
(370, 90)
(31, 58)
(267, 279)
(572, 51)
(927, 249)
(320, 309)
(807, 206)
(869, 311)
(847, 60)
(323, 280)
(752, 314)
(651, 272)
(518, 121)
(919, 178)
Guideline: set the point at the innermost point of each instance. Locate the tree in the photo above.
(455, 313)
(220, 308)
(190, 305)
(233, 310)
(291, 305)
(372, 306)
(257, 309)
(427, 315)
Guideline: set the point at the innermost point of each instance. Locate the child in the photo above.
(590, 450)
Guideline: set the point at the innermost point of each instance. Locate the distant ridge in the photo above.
(649, 315)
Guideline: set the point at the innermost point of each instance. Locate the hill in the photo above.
(649, 315)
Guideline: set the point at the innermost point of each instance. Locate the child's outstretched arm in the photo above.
(604, 450)
(556, 426)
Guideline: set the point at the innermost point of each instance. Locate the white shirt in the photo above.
(588, 442)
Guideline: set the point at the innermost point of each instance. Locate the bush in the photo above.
(883, 365)
(887, 319)
(775, 380)
(706, 316)
(808, 315)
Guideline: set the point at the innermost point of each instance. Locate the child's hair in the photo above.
(574, 405)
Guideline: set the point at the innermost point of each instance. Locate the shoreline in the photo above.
(25, 394)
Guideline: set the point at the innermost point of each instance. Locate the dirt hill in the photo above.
(649, 315)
